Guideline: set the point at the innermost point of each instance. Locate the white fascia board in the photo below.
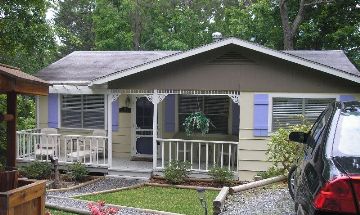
(245, 44)
(71, 89)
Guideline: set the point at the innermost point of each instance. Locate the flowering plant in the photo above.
(98, 208)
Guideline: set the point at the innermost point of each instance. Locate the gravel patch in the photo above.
(107, 183)
(80, 205)
(272, 199)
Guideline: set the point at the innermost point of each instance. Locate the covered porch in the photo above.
(149, 133)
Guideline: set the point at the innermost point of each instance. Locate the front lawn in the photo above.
(184, 201)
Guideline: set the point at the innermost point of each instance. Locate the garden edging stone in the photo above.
(77, 186)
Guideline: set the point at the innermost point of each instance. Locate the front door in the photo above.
(143, 126)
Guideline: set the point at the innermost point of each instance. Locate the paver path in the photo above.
(273, 199)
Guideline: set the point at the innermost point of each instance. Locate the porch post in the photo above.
(155, 98)
(236, 100)
(109, 128)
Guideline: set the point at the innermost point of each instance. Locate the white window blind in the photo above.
(286, 111)
(216, 108)
(83, 111)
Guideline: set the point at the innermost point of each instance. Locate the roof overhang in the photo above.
(225, 42)
(12, 80)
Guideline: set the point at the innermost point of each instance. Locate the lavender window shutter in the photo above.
(53, 110)
(235, 118)
(115, 115)
(347, 98)
(261, 111)
(170, 113)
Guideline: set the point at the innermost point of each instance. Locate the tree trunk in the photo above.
(136, 18)
(290, 28)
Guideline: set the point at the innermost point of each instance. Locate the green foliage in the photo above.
(2, 168)
(259, 22)
(221, 175)
(25, 119)
(74, 25)
(196, 121)
(282, 152)
(27, 40)
(176, 172)
(271, 172)
(37, 170)
(77, 171)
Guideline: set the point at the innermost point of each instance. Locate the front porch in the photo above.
(144, 140)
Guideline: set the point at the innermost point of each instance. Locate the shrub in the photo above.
(221, 175)
(176, 172)
(2, 168)
(37, 170)
(282, 152)
(77, 171)
(271, 172)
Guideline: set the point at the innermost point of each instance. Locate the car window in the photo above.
(318, 128)
(347, 137)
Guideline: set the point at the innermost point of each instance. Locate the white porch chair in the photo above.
(85, 150)
(48, 143)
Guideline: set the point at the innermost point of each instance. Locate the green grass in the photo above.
(56, 212)
(184, 201)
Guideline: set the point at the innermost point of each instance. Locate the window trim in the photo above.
(83, 129)
(295, 95)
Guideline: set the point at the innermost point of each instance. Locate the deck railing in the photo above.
(89, 150)
(202, 155)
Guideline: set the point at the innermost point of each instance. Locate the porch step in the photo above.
(130, 173)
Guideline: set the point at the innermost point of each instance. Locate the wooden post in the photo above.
(11, 131)
(109, 127)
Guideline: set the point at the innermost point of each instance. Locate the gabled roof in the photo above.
(333, 58)
(298, 57)
(81, 67)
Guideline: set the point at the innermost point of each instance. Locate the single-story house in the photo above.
(123, 111)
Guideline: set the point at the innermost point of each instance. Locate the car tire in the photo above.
(291, 181)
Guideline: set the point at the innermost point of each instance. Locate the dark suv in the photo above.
(327, 179)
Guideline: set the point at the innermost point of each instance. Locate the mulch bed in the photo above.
(195, 182)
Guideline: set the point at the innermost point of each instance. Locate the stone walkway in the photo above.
(273, 199)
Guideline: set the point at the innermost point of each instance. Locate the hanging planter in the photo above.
(197, 122)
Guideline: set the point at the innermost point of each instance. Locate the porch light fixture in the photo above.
(202, 198)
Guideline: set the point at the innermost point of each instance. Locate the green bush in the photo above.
(176, 172)
(283, 152)
(37, 170)
(271, 172)
(221, 175)
(77, 171)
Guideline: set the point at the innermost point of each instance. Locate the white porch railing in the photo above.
(89, 150)
(201, 154)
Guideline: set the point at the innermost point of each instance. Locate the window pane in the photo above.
(71, 111)
(94, 111)
(216, 108)
(82, 111)
(286, 111)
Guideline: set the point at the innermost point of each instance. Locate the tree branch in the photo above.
(299, 17)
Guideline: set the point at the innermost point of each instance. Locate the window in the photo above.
(285, 111)
(83, 111)
(216, 108)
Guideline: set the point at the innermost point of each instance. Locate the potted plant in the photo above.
(197, 122)
(8, 179)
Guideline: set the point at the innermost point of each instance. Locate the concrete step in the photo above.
(130, 173)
